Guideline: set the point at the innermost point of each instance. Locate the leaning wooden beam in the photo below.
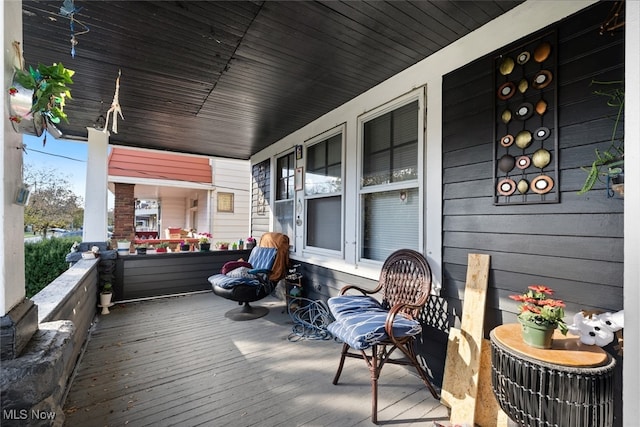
(463, 361)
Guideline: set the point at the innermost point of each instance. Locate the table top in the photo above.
(565, 350)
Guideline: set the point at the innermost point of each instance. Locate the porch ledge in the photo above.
(57, 294)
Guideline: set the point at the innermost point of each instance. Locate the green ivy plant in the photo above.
(609, 162)
(49, 85)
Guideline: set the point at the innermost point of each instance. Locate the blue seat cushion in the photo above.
(363, 327)
(347, 304)
(227, 282)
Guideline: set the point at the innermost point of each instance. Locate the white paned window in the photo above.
(323, 193)
(285, 193)
(390, 190)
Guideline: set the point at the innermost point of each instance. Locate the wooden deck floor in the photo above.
(179, 361)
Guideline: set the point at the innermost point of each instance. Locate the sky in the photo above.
(67, 158)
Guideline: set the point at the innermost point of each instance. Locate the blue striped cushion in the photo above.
(362, 328)
(227, 282)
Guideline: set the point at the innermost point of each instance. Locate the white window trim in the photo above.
(312, 250)
(415, 95)
(274, 192)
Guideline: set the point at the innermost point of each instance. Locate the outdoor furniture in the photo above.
(568, 385)
(253, 280)
(362, 323)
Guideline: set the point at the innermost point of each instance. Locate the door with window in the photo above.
(285, 195)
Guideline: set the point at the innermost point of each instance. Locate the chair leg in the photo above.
(343, 355)
(409, 351)
(375, 374)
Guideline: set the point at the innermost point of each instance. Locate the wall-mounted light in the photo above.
(403, 196)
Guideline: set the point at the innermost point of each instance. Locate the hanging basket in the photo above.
(20, 103)
(20, 115)
(535, 335)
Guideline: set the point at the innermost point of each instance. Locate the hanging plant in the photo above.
(49, 85)
(610, 162)
(37, 96)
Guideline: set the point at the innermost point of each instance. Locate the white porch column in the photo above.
(95, 199)
(12, 289)
(631, 368)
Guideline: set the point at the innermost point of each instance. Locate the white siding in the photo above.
(172, 213)
(231, 176)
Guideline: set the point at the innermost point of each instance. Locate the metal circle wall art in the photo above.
(525, 106)
(507, 140)
(523, 58)
(541, 133)
(541, 184)
(506, 186)
(542, 79)
(506, 91)
(523, 162)
(524, 111)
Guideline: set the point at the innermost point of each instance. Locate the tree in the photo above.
(52, 202)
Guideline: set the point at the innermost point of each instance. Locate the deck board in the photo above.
(179, 361)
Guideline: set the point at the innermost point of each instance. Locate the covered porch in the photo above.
(585, 246)
(180, 361)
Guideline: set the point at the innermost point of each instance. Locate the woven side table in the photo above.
(568, 385)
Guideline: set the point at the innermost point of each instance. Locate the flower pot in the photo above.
(161, 250)
(185, 248)
(535, 335)
(124, 247)
(141, 251)
(204, 247)
(20, 103)
(249, 245)
(105, 302)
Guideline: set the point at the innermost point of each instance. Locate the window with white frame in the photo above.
(390, 189)
(285, 194)
(323, 193)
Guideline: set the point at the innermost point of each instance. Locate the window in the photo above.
(285, 193)
(225, 202)
(389, 191)
(323, 193)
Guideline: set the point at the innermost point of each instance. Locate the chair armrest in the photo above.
(257, 271)
(363, 291)
(393, 312)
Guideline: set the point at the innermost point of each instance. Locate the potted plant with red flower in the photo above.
(250, 243)
(540, 315)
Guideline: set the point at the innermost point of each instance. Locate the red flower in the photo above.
(15, 119)
(531, 308)
(551, 302)
(541, 289)
(13, 90)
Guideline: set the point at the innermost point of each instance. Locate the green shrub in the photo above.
(44, 261)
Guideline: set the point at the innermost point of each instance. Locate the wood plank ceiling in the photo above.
(229, 78)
